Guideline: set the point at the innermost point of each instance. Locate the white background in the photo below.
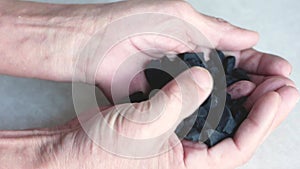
(27, 103)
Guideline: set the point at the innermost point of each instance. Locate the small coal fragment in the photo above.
(233, 114)
(221, 55)
(229, 64)
(138, 97)
(157, 78)
(192, 59)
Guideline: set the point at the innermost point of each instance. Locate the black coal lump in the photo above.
(229, 64)
(138, 97)
(157, 78)
(233, 114)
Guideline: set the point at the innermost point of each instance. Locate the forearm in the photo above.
(44, 148)
(24, 150)
(59, 149)
(40, 40)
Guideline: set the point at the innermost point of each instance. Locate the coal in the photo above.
(234, 113)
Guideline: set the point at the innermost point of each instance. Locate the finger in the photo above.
(263, 64)
(241, 89)
(257, 79)
(225, 36)
(249, 135)
(195, 154)
(214, 33)
(180, 98)
(289, 96)
(270, 84)
(194, 145)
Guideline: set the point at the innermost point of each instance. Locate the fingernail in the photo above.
(202, 77)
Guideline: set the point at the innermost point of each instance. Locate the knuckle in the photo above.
(175, 94)
(179, 6)
(182, 4)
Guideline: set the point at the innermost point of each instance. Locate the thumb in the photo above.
(160, 115)
(226, 36)
(222, 34)
(131, 130)
(179, 99)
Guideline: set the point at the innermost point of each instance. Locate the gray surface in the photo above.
(28, 103)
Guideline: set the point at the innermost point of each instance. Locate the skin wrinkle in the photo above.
(24, 40)
(18, 135)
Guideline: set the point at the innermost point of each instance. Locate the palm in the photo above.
(263, 118)
(269, 73)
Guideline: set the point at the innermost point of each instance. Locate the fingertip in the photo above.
(286, 68)
(298, 95)
(256, 36)
(289, 96)
(277, 65)
(289, 93)
(275, 96)
(241, 89)
(249, 38)
(252, 35)
(238, 39)
(203, 78)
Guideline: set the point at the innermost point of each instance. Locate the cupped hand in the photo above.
(141, 31)
(271, 96)
(268, 73)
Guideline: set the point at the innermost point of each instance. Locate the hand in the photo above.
(254, 129)
(268, 73)
(116, 62)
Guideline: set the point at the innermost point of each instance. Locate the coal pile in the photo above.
(231, 114)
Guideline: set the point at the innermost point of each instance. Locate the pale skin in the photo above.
(40, 41)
